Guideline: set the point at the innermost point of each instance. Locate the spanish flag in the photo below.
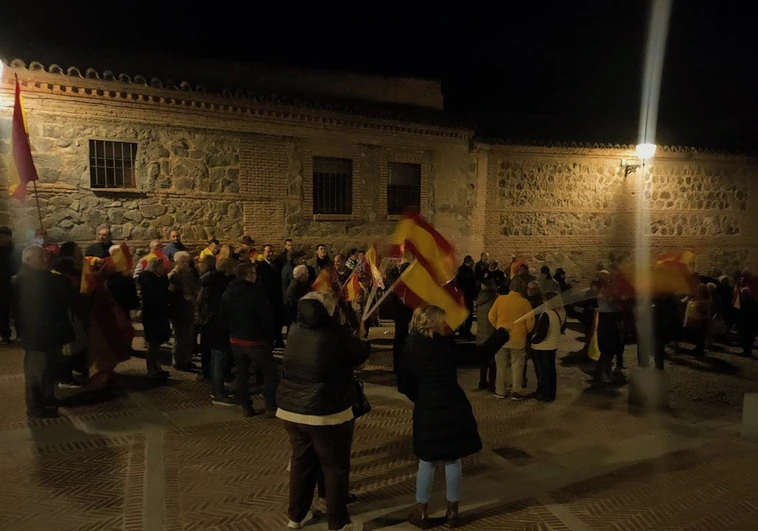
(152, 255)
(352, 288)
(516, 265)
(417, 287)
(89, 276)
(372, 260)
(22, 170)
(325, 280)
(120, 259)
(416, 236)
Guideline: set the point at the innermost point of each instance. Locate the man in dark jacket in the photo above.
(102, 247)
(44, 307)
(215, 349)
(175, 245)
(8, 267)
(284, 257)
(296, 258)
(269, 278)
(316, 399)
(466, 282)
(249, 319)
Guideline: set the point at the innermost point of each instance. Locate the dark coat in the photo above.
(155, 307)
(270, 280)
(246, 312)
(172, 248)
(295, 292)
(124, 291)
(212, 288)
(466, 282)
(319, 358)
(44, 303)
(100, 250)
(444, 427)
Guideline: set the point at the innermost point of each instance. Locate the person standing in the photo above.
(101, 248)
(155, 314)
(284, 257)
(321, 260)
(269, 278)
(213, 249)
(544, 345)
(250, 321)
(444, 427)
(216, 349)
(297, 289)
(9, 264)
(506, 310)
(610, 331)
(44, 301)
(546, 282)
(488, 292)
(401, 314)
(182, 289)
(342, 273)
(466, 282)
(316, 398)
(174, 246)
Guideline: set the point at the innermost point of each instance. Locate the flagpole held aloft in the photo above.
(39, 210)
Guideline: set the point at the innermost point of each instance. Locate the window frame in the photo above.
(93, 167)
(347, 192)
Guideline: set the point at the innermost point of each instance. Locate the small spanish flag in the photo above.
(325, 280)
(121, 258)
(89, 277)
(372, 259)
(352, 288)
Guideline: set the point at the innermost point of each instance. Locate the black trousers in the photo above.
(40, 371)
(326, 448)
(260, 357)
(205, 350)
(547, 378)
(5, 315)
(466, 326)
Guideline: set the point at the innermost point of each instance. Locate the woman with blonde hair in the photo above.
(444, 427)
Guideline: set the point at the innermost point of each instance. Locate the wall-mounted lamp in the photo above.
(644, 152)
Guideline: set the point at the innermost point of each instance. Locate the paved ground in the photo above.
(163, 458)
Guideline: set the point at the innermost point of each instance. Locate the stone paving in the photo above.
(153, 458)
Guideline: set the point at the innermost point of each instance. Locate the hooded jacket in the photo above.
(318, 362)
(246, 312)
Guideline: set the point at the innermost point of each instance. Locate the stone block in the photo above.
(649, 388)
(750, 417)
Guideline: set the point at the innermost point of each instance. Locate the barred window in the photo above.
(111, 164)
(404, 187)
(332, 186)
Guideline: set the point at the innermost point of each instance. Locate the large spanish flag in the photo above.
(352, 288)
(416, 236)
(417, 287)
(22, 170)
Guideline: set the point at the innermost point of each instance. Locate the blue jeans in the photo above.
(219, 366)
(425, 480)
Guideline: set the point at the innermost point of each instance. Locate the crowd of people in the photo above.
(231, 304)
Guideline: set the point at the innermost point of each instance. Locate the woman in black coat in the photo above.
(444, 427)
(155, 314)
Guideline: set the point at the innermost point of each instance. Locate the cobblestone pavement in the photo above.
(152, 458)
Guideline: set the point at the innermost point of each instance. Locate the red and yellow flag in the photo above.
(416, 236)
(22, 170)
(155, 254)
(352, 288)
(372, 259)
(416, 287)
(89, 277)
(325, 280)
(120, 259)
(516, 265)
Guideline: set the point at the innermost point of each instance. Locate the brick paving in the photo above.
(153, 458)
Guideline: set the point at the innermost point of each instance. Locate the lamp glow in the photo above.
(645, 151)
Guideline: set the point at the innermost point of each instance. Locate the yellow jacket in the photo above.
(206, 252)
(505, 311)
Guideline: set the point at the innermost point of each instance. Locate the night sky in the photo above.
(563, 70)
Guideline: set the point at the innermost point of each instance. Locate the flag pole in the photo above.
(39, 210)
(386, 294)
(371, 297)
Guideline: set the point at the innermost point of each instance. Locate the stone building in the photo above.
(339, 165)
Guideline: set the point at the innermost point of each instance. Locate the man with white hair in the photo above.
(44, 305)
(182, 287)
(296, 290)
(156, 251)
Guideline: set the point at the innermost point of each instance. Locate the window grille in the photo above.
(111, 164)
(332, 186)
(403, 187)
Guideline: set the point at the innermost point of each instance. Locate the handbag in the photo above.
(361, 405)
(80, 342)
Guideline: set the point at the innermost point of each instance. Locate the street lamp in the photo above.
(645, 151)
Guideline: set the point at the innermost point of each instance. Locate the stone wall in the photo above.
(184, 178)
(576, 209)
(215, 168)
